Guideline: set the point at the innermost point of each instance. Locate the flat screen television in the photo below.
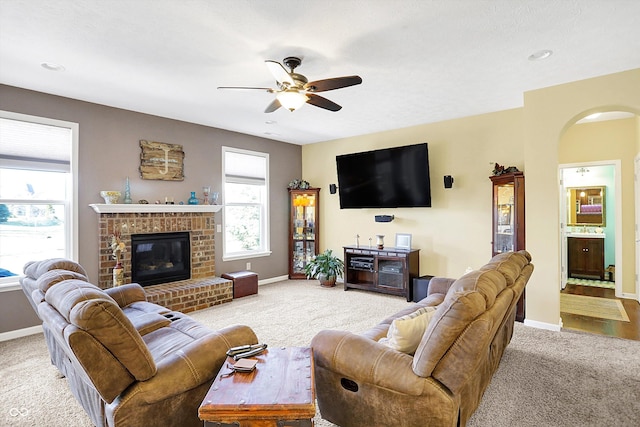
(395, 177)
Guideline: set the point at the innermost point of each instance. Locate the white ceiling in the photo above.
(421, 61)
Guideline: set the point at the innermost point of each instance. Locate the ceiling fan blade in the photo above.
(331, 84)
(279, 72)
(267, 89)
(321, 102)
(275, 104)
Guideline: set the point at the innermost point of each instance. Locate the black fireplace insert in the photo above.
(160, 258)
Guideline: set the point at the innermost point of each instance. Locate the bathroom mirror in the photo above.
(585, 206)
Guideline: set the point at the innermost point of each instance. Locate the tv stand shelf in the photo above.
(388, 270)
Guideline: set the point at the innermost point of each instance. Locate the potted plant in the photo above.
(325, 267)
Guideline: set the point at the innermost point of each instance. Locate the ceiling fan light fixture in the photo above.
(292, 99)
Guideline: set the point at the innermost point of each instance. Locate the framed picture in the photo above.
(403, 241)
(161, 161)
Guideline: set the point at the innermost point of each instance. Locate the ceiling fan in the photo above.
(294, 90)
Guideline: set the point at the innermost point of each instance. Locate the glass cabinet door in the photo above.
(503, 240)
(508, 220)
(303, 230)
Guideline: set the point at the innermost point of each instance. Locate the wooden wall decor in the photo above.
(161, 161)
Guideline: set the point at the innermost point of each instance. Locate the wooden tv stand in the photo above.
(388, 270)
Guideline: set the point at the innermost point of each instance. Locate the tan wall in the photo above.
(109, 151)
(637, 134)
(548, 113)
(455, 233)
(610, 140)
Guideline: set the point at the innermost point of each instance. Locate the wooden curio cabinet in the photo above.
(508, 220)
(303, 229)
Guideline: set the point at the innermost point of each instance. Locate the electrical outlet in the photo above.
(248, 266)
(219, 228)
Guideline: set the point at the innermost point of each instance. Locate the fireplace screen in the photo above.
(160, 258)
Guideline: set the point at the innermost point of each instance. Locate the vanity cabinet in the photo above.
(508, 220)
(303, 230)
(585, 257)
(388, 270)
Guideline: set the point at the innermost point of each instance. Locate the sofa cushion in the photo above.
(405, 333)
(92, 310)
(509, 264)
(36, 269)
(51, 277)
(467, 298)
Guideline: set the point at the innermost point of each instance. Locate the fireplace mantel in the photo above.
(102, 208)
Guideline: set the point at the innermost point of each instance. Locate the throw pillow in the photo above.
(405, 333)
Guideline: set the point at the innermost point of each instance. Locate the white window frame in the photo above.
(265, 237)
(71, 204)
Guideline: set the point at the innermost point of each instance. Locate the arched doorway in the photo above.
(598, 233)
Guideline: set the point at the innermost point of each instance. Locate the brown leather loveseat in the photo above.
(362, 382)
(127, 361)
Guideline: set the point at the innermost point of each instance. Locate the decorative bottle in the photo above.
(127, 192)
(193, 200)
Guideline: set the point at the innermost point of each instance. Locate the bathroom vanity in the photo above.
(585, 253)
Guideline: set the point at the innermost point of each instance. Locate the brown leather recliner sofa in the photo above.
(363, 382)
(127, 361)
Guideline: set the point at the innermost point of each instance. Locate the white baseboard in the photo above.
(542, 325)
(18, 333)
(272, 280)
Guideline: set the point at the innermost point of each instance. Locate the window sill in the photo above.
(10, 285)
(246, 256)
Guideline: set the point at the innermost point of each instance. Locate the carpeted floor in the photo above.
(545, 378)
(603, 308)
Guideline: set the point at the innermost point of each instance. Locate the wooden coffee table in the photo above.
(279, 392)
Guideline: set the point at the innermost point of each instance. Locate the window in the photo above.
(246, 203)
(37, 189)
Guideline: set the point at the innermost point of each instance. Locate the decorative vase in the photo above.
(127, 192)
(193, 200)
(118, 274)
(327, 281)
(205, 193)
(110, 197)
(380, 241)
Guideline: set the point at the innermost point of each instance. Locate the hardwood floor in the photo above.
(629, 330)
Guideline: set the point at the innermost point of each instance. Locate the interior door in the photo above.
(564, 268)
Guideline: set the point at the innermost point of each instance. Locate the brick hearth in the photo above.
(190, 295)
(203, 289)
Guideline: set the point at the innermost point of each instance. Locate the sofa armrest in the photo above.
(342, 352)
(439, 285)
(190, 366)
(127, 294)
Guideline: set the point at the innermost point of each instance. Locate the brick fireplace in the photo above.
(203, 288)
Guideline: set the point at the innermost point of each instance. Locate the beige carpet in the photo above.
(603, 308)
(545, 378)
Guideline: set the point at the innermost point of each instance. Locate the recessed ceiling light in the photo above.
(540, 55)
(52, 66)
(271, 122)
